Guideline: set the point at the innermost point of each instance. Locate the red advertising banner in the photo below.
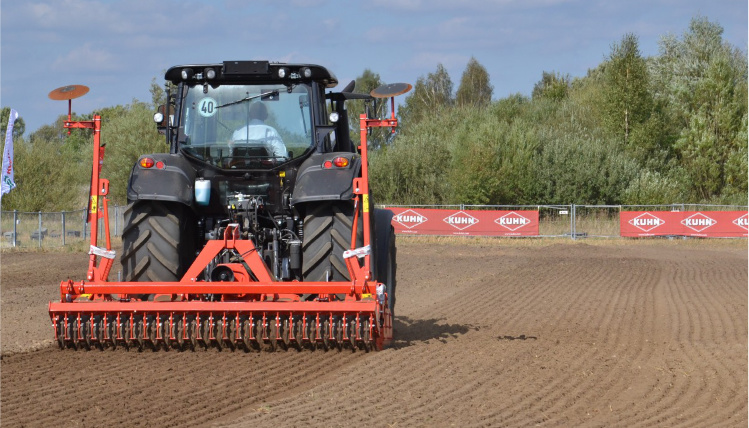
(709, 224)
(428, 221)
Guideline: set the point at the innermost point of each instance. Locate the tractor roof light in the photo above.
(306, 72)
(187, 73)
(283, 72)
(209, 73)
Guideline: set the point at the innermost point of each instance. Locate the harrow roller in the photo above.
(249, 331)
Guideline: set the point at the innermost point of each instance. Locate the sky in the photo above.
(117, 47)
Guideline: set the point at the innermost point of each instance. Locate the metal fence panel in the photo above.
(56, 229)
(596, 221)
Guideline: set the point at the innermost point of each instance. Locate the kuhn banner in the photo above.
(708, 224)
(428, 221)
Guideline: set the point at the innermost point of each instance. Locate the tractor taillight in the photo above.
(146, 162)
(339, 162)
(160, 165)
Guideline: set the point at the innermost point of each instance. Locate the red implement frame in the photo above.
(253, 297)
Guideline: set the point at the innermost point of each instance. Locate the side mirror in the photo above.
(162, 119)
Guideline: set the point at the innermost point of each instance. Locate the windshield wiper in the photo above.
(250, 98)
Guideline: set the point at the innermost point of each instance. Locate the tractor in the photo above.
(258, 230)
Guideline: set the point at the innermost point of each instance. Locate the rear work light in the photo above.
(146, 162)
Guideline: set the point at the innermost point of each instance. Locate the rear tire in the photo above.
(327, 234)
(158, 241)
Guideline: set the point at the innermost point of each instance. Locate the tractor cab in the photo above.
(248, 114)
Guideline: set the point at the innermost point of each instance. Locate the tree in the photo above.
(430, 94)
(73, 145)
(627, 102)
(702, 81)
(19, 126)
(365, 83)
(553, 86)
(158, 94)
(46, 178)
(128, 135)
(475, 89)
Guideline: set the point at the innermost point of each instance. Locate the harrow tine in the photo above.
(272, 334)
(246, 334)
(138, 332)
(58, 336)
(205, 333)
(259, 332)
(193, 331)
(220, 336)
(105, 336)
(324, 334)
(180, 337)
(231, 332)
(78, 337)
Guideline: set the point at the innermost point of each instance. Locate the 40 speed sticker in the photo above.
(207, 107)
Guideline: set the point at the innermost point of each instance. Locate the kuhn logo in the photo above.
(461, 220)
(742, 221)
(512, 221)
(646, 222)
(409, 219)
(698, 222)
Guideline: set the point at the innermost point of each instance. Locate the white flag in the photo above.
(8, 179)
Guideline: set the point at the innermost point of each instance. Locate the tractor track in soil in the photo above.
(489, 333)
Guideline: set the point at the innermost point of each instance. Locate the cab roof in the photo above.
(251, 71)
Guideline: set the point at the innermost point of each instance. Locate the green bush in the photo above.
(128, 134)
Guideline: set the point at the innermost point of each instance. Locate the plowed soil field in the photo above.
(489, 333)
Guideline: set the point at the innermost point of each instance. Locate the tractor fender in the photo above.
(173, 182)
(315, 182)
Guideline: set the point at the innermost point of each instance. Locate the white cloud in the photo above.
(308, 3)
(431, 59)
(85, 59)
(489, 6)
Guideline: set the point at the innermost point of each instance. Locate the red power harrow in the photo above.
(249, 311)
